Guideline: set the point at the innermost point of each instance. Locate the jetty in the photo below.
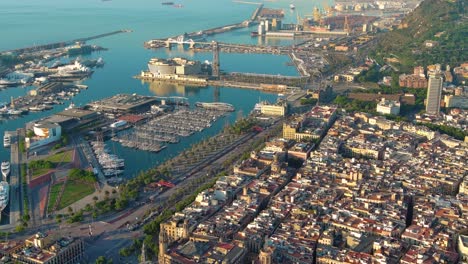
(62, 44)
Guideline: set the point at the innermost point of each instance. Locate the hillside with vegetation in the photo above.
(442, 21)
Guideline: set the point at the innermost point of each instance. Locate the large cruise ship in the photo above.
(5, 169)
(216, 106)
(4, 195)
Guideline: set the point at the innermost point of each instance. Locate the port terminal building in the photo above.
(177, 70)
(124, 103)
(279, 109)
(178, 66)
(73, 118)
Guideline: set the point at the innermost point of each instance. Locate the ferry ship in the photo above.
(4, 195)
(216, 106)
(5, 169)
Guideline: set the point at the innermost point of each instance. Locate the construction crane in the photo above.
(301, 22)
(328, 10)
(317, 16)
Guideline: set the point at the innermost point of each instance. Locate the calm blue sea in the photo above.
(30, 22)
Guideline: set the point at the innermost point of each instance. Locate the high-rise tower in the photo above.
(434, 94)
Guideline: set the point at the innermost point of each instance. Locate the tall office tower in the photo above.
(434, 94)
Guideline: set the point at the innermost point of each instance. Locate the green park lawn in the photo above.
(61, 157)
(54, 193)
(56, 159)
(38, 172)
(75, 191)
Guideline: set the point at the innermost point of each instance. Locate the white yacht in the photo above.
(4, 194)
(14, 112)
(5, 169)
(100, 62)
(71, 106)
(6, 141)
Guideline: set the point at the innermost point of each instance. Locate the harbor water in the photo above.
(30, 22)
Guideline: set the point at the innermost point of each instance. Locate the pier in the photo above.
(264, 80)
(65, 43)
(256, 12)
(201, 46)
(190, 38)
(15, 199)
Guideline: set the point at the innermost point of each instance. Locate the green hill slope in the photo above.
(443, 21)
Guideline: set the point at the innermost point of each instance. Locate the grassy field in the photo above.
(38, 172)
(75, 191)
(61, 157)
(56, 159)
(54, 193)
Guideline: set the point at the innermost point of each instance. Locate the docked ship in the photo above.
(72, 72)
(71, 106)
(257, 108)
(5, 169)
(6, 141)
(6, 83)
(14, 112)
(4, 195)
(216, 106)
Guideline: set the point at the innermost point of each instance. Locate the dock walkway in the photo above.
(15, 199)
